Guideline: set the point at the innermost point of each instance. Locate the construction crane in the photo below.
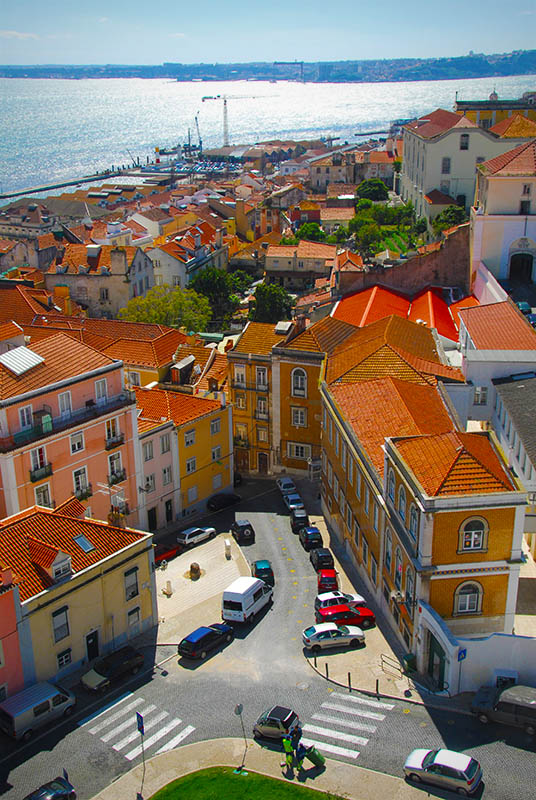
(291, 64)
(200, 150)
(225, 115)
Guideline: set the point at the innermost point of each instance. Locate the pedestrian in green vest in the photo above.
(289, 752)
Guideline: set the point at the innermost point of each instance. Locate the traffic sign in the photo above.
(139, 720)
(462, 654)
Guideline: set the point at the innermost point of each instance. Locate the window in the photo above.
(134, 378)
(413, 520)
(190, 465)
(25, 417)
(262, 408)
(330, 431)
(62, 569)
(60, 624)
(189, 437)
(38, 457)
(131, 583)
(166, 476)
(215, 426)
(299, 417)
(147, 451)
(241, 401)
(216, 453)
(524, 207)
(367, 500)
(402, 503)
(468, 599)
(77, 442)
(388, 550)
(299, 383)
(358, 483)
(63, 659)
(192, 494)
(330, 474)
(112, 429)
(445, 166)
(262, 434)
(114, 462)
(398, 568)
(391, 486)
(473, 535)
(336, 442)
(80, 479)
(526, 188)
(165, 444)
(350, 469)
(464, 141)
(364, 545)
(177, 280)
(240, 375)
(356, 532)
(101, 391)
(216, 481)
(480, 397)
(262, 378)
(374, 570)
(376, 515)
(41, 708)
(64, 400)
(133, 616)
(42, 496)
(348, 517)
(336, 488)
(300, 451)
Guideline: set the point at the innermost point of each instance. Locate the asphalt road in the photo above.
(263, 666)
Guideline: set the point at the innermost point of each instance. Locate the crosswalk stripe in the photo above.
(356, 711)
(124, 725)
(108, 720)
(136, 734)
(364, 701)
(346, 723)
(176, 739)
(330, 748)
(331, 734)
(154, 738)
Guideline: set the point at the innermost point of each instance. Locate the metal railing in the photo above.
(84, 492)
(117, 477)
(114, 441)
(239, 441)
(40, 473)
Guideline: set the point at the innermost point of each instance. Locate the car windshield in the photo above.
(472, 769)
(343, 629)
(309, 631)
(428, 759)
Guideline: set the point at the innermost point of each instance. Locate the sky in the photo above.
(223, 31)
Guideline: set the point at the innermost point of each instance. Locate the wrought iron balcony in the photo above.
(117, 476)
(241, 441)
(114, 441)
(84, 492)
(40, 473)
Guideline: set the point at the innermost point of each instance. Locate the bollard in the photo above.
(377, 687)
(327, 670)
(349, 682)
(315, 661)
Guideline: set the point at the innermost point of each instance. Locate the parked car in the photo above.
(310, 538)
(327, 634)
(286, 486)
(524, 307)
(298, 519)
(202, 641)
(165, 552)
(344, 615)
(263, 569)
(293, 501)
(513, 705)
(243, 532)
(337, 598)
(111, 668)
(532, 319)
(57, 789)
(321, 558)
(446, 768)
(192, 536)
(276, 723)
(222, 500)
(327, 580)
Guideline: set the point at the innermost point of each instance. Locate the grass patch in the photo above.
(219, 783)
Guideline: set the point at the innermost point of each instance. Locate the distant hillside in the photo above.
(474, 65)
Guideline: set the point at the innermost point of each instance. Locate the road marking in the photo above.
(125, 725)
(346, 723)
(124, 710)
(306, 605)
(331, 734)
(296, 583)
(152, 739)
(363, 701)
(330, 748)
(135, 734)
(357, 712)
(289, 558)
(180, 736)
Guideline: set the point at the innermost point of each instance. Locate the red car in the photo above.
(327, 580)
(344, 615)
(165, 552)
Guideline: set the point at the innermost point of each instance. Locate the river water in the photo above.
(56, 130)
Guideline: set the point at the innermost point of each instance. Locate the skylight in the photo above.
(84, 543)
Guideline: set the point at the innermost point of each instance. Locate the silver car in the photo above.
(192, 536)
(446, 768)
(293, 501)
(337, 598)
(286, 486)
(327, 634)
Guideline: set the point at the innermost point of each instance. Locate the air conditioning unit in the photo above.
(398, 597)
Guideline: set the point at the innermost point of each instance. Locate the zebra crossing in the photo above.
(116, 725)
(341, 721)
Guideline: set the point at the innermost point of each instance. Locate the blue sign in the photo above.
(462, 654)
(139, 720)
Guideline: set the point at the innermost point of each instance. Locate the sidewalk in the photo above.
(339, 778)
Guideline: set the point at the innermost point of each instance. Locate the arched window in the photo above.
(413, 520)
(391, 486)
(299, 383)
(473, 535)
(398, 568)
(468, 598)
(388, 550)
(402, 503)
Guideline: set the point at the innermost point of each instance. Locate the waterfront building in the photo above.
(23, 220)
(487, 113)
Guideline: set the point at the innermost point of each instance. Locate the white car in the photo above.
(336, 598)
(327, 634)
(286, 486)
(191, 536)
(446, 768)
(293, 501)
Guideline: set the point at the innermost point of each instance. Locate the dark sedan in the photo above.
(321, 558)
(202, 641)
(57, 789)
(222, 500)
(310, 538)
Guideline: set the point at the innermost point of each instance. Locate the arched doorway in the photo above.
(521, 267)
(263, 463)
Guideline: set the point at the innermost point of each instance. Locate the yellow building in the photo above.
(85, 587)
(486, 113)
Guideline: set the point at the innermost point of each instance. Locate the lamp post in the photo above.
(238, 711)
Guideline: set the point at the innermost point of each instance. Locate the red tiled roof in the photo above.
(8, 330)
(76, 255)
(430, 307)
(156, 405)
(498, 326)
(521, 161)
(152, 353)
(438, 122)
(466, 302)
(369, 305)
(515, 127)
(437, 198)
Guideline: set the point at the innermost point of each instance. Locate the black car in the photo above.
(57, 789)
(202, 641)
(321, 558)
(298, 519)
(310, 538)
(263, 569)
(222, 500)
(111, 668)
(243, 532)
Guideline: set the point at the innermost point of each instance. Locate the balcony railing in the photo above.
(84, 492)
(114, 441)
(261, 414)
(117, 476)
(250, 386)
(50, 425)
(40, 473)
(241, 441)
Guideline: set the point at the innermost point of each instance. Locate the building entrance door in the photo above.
(521, 267)
(92, 645)
(169, 511)
(263, 463)
(151, 519)
(436, 662)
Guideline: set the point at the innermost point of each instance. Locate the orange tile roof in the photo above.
(521, 161)
(64, 358)
(322, 336)
(22, 303)
(257, 338)
(216, 372)
(455, 464)
(498, 326)
(515, 127)
(346, 261)
(158, 405)
(316, 250)
(76, 255)
(327, 214)
(430, 307)
(153, 353)
(438, 122)
(466, 302)
(8, 330)
(6, 245)
(369, 305)
(437, 198)
(391, 407)
(29, 539)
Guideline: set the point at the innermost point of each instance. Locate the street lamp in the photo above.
(238, 711)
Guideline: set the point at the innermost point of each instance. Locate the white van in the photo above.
(244, 598)
(34, 708)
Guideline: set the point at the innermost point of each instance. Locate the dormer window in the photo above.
(61, 569)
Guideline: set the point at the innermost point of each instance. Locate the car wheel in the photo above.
(135, 670)
(483, 718)
(414, 777)
(212, 535)
(355, 643)
(203, 655)
(530, 729)
(27, 735)
(316, 649)
(366, 624)
(229, 637)
(462, 791)
(68, 711)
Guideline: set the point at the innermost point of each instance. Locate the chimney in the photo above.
(6, 577)
(118, 261)
(60, 254)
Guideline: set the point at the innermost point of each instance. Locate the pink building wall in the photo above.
(11, 674)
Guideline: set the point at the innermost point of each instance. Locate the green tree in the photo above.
(363, 203)
(240, 280)
(452, 215)
(272, 303)
(357, 222)
(311, 231)
(166, 306)
(288, 240)
(340, 235)
(368, 237)
(373, 189)
(420, 226)
(218, 287)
